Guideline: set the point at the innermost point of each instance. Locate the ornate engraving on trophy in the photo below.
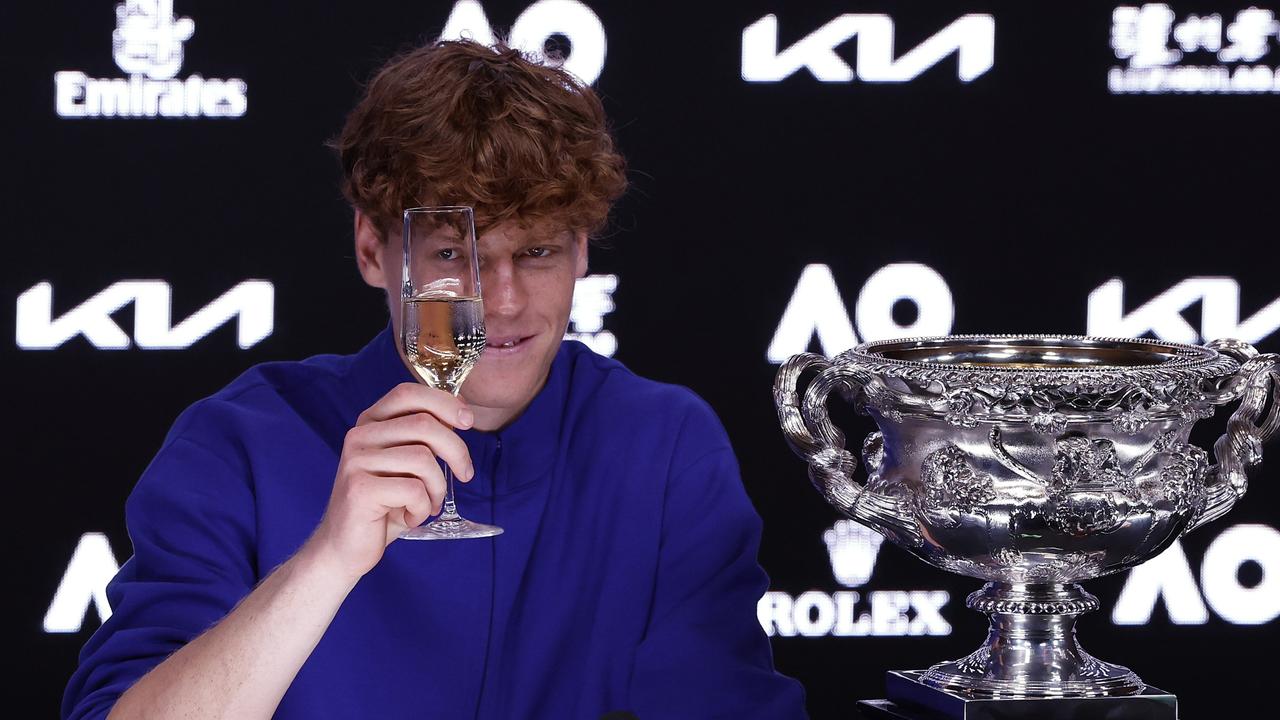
(1085, 475)
(1181, 483)
(952, 487)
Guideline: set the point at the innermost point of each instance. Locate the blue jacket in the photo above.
(626, 579)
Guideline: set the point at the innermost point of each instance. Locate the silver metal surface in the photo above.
(1033, 462)
(910, 698)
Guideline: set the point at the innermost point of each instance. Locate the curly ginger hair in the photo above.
(459, 123)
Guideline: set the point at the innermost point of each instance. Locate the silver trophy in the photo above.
(1032, 462)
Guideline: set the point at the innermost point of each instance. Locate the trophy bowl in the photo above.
(1032, 462)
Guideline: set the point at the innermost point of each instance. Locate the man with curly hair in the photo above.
(265, 579)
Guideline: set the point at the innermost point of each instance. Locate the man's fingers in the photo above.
(413, 460)
(418, 430)
(393, 493)
(417, 513)
(407, 398)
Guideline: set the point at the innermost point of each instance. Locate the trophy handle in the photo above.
(1239, 449)
(811, 435)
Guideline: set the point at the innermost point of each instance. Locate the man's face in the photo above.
(527, 277)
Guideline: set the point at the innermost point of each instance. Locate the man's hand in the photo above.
(388, 477)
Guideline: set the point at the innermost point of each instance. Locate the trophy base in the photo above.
(1031, 649)
(911, 699)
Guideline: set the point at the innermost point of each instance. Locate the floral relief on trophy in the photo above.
(1180, 486)
(952, 487)
(960, 407)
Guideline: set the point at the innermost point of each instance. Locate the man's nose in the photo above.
(499, 285)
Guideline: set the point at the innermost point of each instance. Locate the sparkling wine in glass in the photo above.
(442, 328)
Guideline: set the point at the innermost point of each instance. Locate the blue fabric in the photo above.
(626, 579)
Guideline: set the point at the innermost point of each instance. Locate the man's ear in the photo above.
(580, 238)
(370, 247)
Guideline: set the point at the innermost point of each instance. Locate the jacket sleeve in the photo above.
(705, 654)
(191, 521)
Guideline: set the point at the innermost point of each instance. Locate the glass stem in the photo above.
(449, 508)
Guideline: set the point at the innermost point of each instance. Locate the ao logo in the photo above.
(816, 308)
(250, 303)
(1219, 299)
(1168, 577)
(84, 582)
(852, 549)
(971, 38)
(539, 22)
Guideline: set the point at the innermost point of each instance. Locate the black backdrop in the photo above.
(1026, 189)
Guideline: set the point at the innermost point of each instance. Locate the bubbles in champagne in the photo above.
(443, 336)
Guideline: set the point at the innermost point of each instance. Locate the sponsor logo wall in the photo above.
(147, 45)
(1167, 52)
(804, 179)
(971, 38)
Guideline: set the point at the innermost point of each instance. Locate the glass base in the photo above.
(454, 529)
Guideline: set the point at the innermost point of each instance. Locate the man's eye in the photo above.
(539, 252)
(447, 254)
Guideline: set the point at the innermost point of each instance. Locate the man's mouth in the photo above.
(506, 343)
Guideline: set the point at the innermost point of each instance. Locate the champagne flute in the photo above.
(442, 328)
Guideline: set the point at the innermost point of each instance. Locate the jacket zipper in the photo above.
(493, 506)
